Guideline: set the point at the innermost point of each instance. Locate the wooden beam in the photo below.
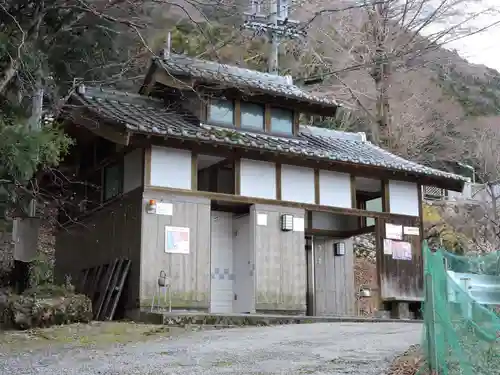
(385, 196)
(147, 166)
(166, 79)
(339, 233)
(316, 186)
(296, 122)
(267, 118)
(101, 129)
(278, 181)
(237, 114)
(354, 202)
(309, 220)
(274, 202)
(194, 171)
(237, 176)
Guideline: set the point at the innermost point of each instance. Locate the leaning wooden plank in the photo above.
(95, 282)
(119, 289)
(83, 281)
(104, 289)
(111, 289)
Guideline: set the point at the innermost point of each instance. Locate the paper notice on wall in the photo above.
(393, 232)
(411, 231)
(387, 246)
(298, 224)
(401, 250)
(262, 219)
(176, 240)
(163, 208)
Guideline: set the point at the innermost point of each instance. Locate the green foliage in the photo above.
(22, 152)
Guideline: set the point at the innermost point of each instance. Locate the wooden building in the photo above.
(206, 174)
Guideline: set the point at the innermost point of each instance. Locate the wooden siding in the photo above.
(400, 280)
(110, 233)
(280, 263)
(334, 278)
(189, 273)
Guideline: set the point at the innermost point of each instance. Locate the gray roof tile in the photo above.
(145, 115)
(241, 78)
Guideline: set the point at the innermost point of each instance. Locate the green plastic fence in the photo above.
(460, 335)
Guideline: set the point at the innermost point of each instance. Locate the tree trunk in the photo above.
(8, 74)
(381, 75)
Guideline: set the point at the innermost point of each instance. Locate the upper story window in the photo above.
(281, 121)
(252, 116)
(221, 112)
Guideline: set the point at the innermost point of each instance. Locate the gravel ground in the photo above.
(322, 348)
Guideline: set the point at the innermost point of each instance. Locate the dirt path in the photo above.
(329, 348)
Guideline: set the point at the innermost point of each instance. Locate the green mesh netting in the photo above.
(460, 335)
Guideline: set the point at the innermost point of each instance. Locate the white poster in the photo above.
(177, 240)
(387, 246)
(298, 224)
(393, 232)
(164, 208)
(262, 219)
(411, 231)
(401, 250)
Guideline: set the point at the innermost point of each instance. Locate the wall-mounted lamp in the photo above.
(286, 223)
(151, 207)
(339, 248)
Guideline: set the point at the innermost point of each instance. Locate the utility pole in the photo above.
(274, 23)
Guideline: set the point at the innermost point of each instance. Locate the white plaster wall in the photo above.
(403, 198)
(170, 167)
(258, 179)
(335, 189)
(132, 170)
(297, 184)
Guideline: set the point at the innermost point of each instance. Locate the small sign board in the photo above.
(411, 231)
(387, 246)
(163, 208)
(401, 250)
(393, 232)
(176, 240)
(298, 224)
(262, 219)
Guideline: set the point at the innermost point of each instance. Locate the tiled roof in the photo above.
(145, 115)
(245, 79)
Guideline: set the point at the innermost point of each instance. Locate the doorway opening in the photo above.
(232, 259)
(334, 251)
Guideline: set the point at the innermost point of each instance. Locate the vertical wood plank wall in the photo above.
(400, 280)
(334, 278)
(189, 273)
(113, 232)
(280, 263)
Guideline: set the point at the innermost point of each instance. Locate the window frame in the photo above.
(105, 169)
(220, 123)
(237, 117)
(263, 108)
(292, 122)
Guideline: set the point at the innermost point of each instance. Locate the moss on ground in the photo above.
(95, 334)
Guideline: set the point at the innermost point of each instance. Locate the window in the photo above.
(281, 121)
(113, 181)
(221, 112)
(252, 116)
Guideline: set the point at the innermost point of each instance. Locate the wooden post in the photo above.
(430, 321)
